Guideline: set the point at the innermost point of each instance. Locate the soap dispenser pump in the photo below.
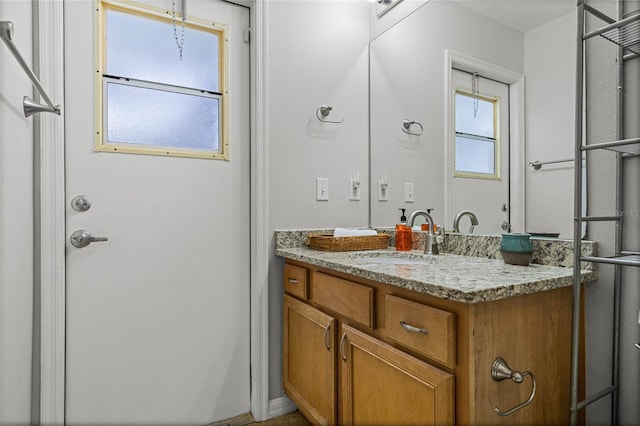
(403, 218)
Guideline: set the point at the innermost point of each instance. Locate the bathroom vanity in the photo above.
(382, 337)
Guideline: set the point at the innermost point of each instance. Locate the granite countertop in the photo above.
(455, 277)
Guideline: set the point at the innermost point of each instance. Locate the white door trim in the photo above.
(262, 407)
(50, 36)
(260, 240)
(516, 134)
(52, 213)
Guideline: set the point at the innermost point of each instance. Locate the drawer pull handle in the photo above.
(412, 328)
(326, 336)
(342, 339)
(501, 371)
(292, 280)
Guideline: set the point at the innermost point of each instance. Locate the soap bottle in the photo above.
(425, 226)
(403, 234)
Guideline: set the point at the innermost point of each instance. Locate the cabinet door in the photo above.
(309, 362)
(381, 385)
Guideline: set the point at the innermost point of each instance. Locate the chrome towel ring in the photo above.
(406, 127)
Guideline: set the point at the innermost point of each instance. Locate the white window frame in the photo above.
(495, 139)
(150, 12)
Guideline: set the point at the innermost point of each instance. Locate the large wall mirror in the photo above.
(463, 96)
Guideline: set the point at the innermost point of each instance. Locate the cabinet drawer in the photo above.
(295, 281)
(426, 330)
(351, 300)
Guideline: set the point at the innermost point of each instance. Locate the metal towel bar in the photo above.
(538, 164)
(29, 105)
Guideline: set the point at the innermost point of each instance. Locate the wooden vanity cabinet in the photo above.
(349, 359)
(309, 360)
(381, 385)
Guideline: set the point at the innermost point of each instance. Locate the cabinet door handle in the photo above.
(412, 328)
(292, 280)
(342, 339)
(326, 336)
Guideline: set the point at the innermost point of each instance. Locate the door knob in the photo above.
(81, 203)
(505, 226)
(82, 238)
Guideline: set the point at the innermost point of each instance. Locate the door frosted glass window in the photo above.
(145, 49)
(153, 99)
(475, 156)
(170, 119)
(476, 142)
(474, 116)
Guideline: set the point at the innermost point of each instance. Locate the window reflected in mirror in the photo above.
(477, 145)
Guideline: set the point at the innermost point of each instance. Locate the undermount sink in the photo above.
(394, 258)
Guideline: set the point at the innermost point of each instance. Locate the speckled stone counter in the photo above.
(468, 279)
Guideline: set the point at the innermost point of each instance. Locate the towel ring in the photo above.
(323, 112)
(500, 370)
(406, 127)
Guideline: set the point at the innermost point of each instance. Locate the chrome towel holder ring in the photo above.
(500, 370)
(323, 112)
(406, 127)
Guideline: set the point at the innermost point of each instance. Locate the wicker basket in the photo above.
(327, 242)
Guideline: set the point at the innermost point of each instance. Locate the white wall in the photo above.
(630, 328)
(16, 222)
(317, 53)
(550, 69)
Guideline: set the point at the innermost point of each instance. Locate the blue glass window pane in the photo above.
(145, 49)
(142, 116)
(482, 124)
(475, 156)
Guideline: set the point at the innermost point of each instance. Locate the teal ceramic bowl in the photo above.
(516, 243)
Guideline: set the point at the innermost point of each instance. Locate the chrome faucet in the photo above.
(430, 243)
(456, 221)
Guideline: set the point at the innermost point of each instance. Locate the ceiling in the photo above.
(522, 15)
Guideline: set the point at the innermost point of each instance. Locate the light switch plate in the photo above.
(382, 191)
(354, 190)
(322, 189)
(409, 192)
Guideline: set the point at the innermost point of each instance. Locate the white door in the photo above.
(480, 167)
(158, 315)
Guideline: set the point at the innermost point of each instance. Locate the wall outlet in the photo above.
(322, 189)
(382, 191)
(409, 192)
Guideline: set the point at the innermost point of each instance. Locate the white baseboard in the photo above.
(281, 406)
